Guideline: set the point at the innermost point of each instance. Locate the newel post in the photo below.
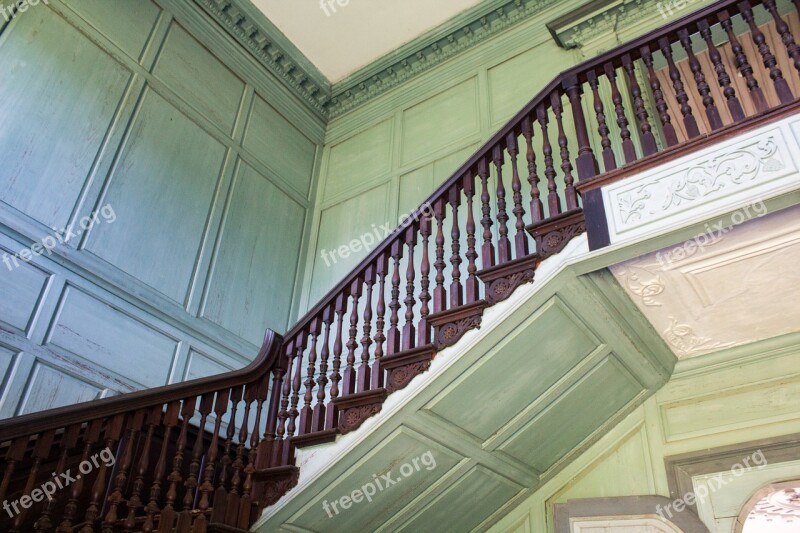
(586, 164)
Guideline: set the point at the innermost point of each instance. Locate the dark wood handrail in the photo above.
(467, 247)
(513, 126)
(33, 423)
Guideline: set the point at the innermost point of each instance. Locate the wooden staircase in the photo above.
(211, 454)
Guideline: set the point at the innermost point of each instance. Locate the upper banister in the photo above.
(34, 423)
(514, 126)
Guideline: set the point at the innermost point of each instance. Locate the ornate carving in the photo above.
(501, 281)
(277, 482)
(353, 418)
(553, 234)
(685, 341)
(406, 365)
(356, 408)
(726, 171)
(449, 326)
(642, 282)
(402, 376)
(309, 86)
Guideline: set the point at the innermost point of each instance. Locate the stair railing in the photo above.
(518, 200)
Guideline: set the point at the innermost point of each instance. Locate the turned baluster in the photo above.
(153, 421)
(192, 477)
(240, 517)
(424, 332)
(520, 238)
(553, 200)
(90, 437)
(69, 439)
(456, 289)
(537, 209)
(167, 519)
(586, 162)
(124, 462)
(566, 164)
(439, 292)
(152, 509)
(221, 493)
(775, 73)
(724, 80)
(689, 122)
(503, 244)
(648, 139)
(363, 376)
(785, 33)
(318, 417)
(487, 249)
(349, 375)
(281, 435)
(207, 486)
(380, 323)
(409, 330)
(310, 383)
(670, 136)
(743, 65)
(471, 286)
(628, 149)
(41, 451)
(394, 338)
(609, 160)
(714, 119)
(14, 455)
(113, 432)
(230, 512)
(294, 412)
(331, 414)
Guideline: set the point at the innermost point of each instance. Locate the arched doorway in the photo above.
(774, 508)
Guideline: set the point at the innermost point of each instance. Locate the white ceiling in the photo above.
(727, 289)
(355, 34)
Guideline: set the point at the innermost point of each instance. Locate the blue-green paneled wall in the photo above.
(200, 166)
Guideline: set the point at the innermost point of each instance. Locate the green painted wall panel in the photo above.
(257, 253)
(127, 24)
(192, 71)
(359, 160)
(279, 145)
(441, 120)
(58, 96)
(161, 190)
(143, 105)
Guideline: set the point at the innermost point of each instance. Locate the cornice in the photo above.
(589, 22)
(465, 31)
(271, 48)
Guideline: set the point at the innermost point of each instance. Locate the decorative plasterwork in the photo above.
(726, 287)
(748, 168)
(271, 49)
(475, 26)
(268, 45)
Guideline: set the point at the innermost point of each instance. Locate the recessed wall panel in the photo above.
(59, 92)
(111, 339)
(161, 190)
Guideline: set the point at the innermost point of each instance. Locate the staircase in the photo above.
(212, 454)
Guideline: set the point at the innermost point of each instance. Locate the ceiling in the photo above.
(341, 36)
(732, 286)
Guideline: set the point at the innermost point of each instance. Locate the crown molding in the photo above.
(463, 32)
(587, 26)
(242, 20)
